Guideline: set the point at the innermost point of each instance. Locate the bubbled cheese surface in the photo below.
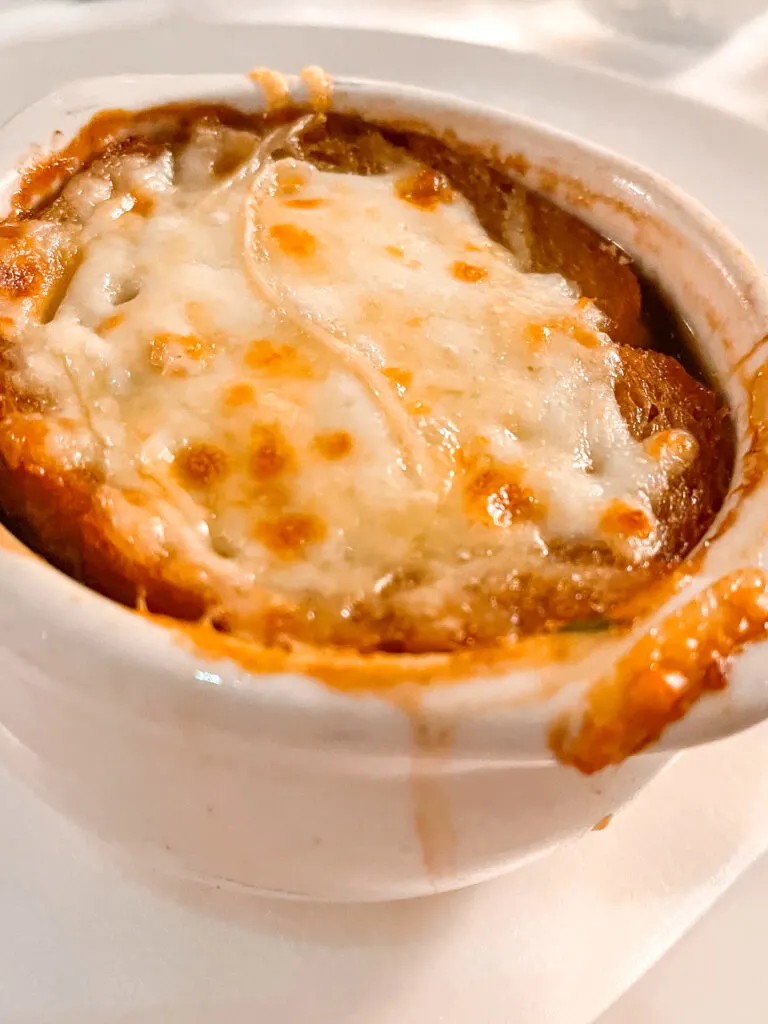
(311, 384)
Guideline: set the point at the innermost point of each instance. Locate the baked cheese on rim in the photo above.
(321, 391)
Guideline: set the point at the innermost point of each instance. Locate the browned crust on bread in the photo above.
(61, 515)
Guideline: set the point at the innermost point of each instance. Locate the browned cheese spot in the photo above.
(239, 394)
(168, 352)
(538, 334)
(625, 521)
(110, 323)
(675, 446)
(289, 180)
(288, 535)
(22, 273)
(494, 493)
(143, 204)
(271, 454)
(468, 272)
(274, 360)
(305, 204)
(135, 497)
(334, 445)
(426, 189)
(294, 241)
(400, 380)
(200, 464)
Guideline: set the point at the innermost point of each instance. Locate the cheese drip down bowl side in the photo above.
(341, 777)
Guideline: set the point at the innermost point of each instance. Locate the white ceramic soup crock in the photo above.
(272, 780)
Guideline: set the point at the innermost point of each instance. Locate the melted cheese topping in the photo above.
(313, 384)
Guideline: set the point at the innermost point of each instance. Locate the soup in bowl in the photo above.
(392, 468)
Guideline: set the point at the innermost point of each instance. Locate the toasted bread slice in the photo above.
(656, 396)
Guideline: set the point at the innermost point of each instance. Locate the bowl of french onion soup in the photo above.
(381, 479)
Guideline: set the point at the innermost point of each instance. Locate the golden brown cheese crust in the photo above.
(61, 513)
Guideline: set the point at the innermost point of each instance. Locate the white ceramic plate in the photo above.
(77, 945)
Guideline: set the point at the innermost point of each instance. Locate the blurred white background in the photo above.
(691, 23)
(688, 22)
